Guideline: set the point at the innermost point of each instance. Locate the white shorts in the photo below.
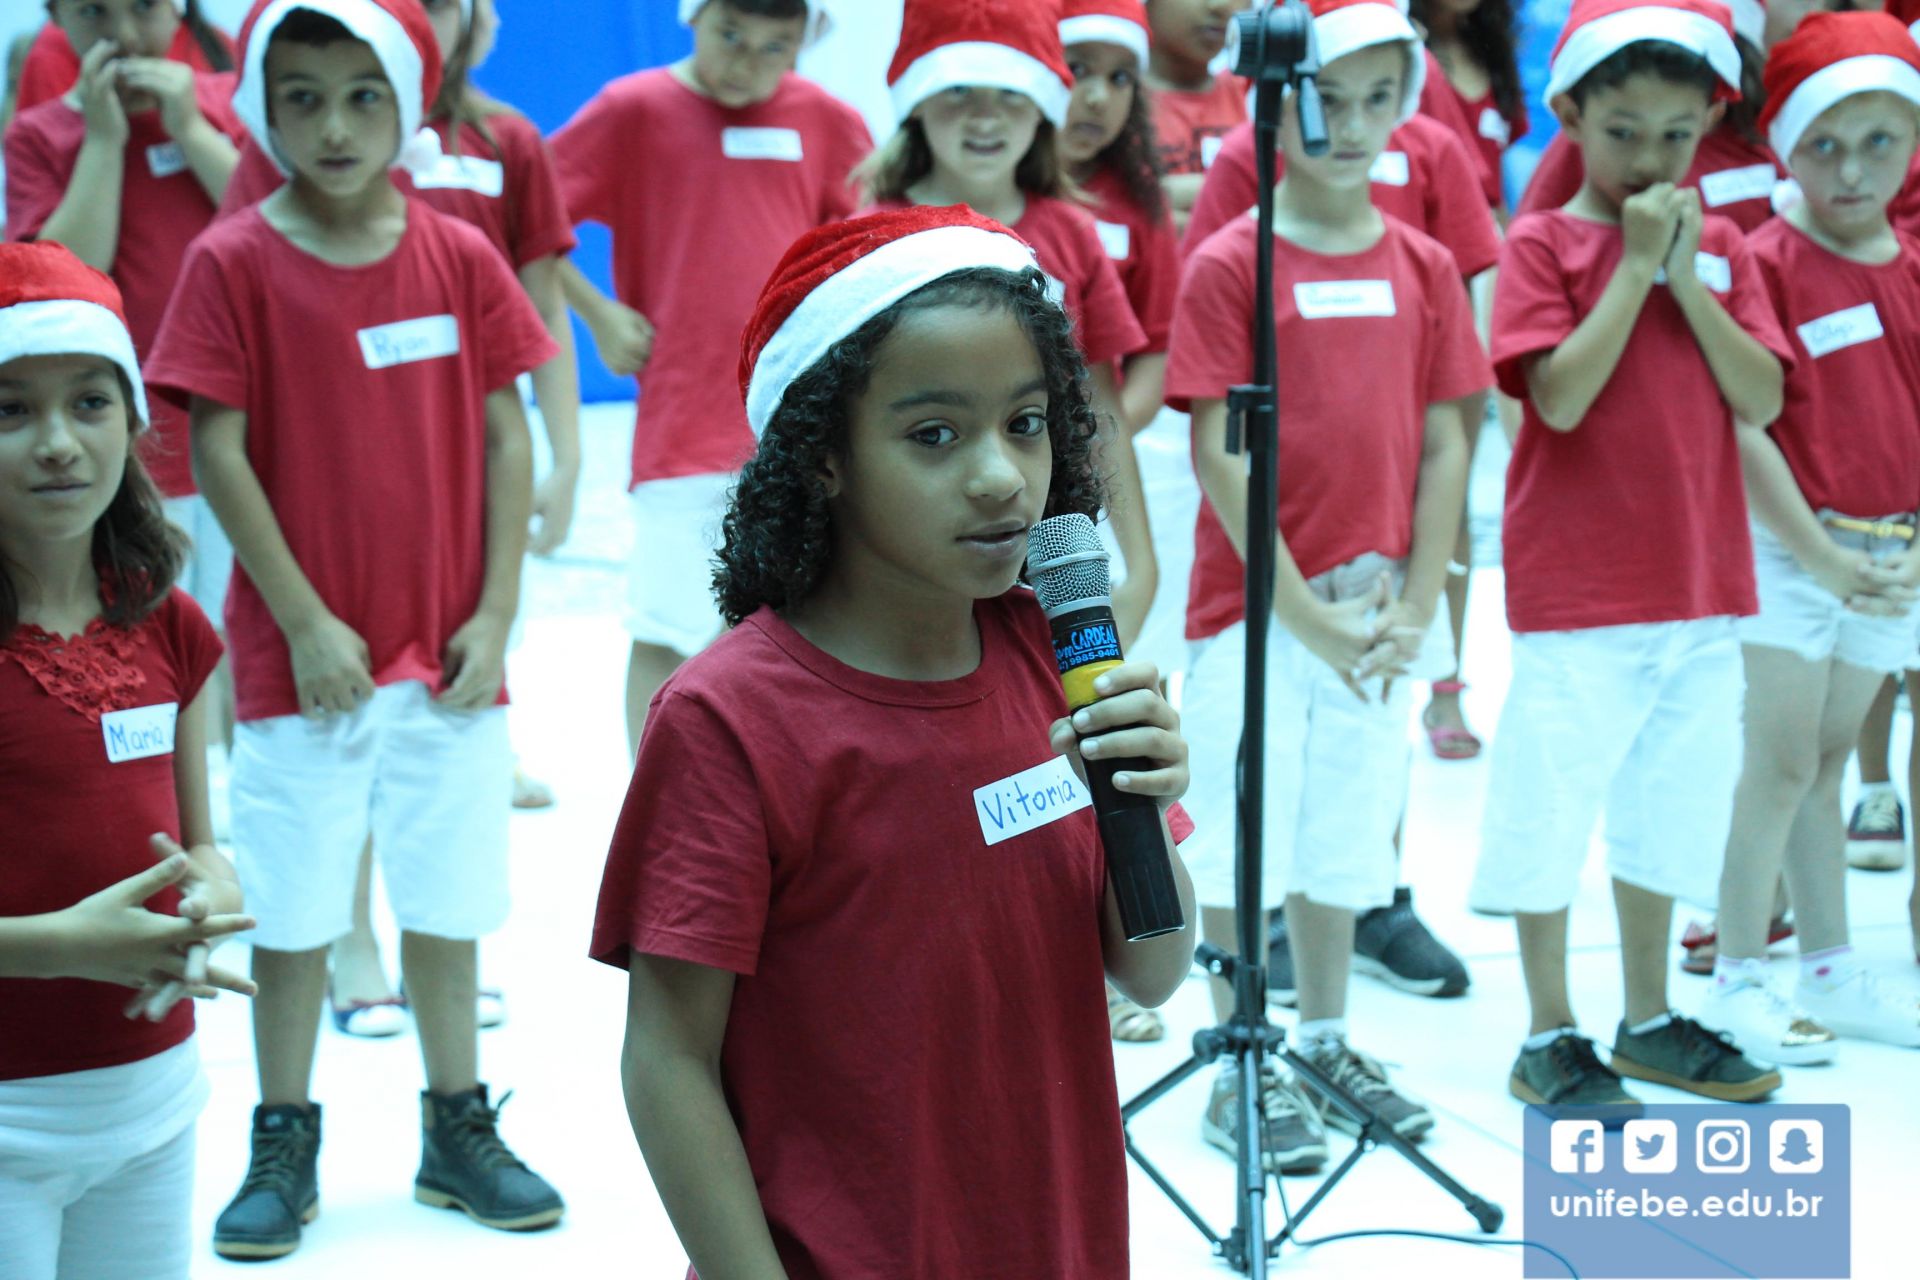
(430, 786)
(1641, 721)
(1804, 618)
(676, 535)
(1165, 452)
(1336, 767)
(209, 566)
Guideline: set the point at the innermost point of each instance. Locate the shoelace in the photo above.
(1357, 1073)
(1575, 1062)
(1701, 1045)
(1277, 1100)
(1879, 813)
(476, 1132)
(276, 1157)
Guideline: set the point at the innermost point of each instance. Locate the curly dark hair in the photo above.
(1134, 157)
(778, 533)
(1491, 36)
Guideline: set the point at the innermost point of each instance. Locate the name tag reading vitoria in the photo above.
(410, 341)
(1029, 800)
(1848, 328)
(1325, 299)
(1729, 186)
(1390, 169)
(464, 173)
(761, 144)
(139, 732)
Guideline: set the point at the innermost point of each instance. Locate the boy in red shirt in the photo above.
(379, 573)
(1372, 473)
(1193, 109)
(1636, 330)
(756, 156)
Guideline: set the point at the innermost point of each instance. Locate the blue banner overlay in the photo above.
(1692, 1192)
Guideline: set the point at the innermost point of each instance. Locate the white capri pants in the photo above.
(676, 536)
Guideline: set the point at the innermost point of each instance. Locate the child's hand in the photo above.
(99, 91)
(1688, 219)
(1879, 588)
(1344, 634)
(475, 663)
(112, 937)
(1648, 221)
(1131, 721)
(209, 889)
(1404, 626)
(623, 337)
(332, 667)
(1131, 603)
(170, 84)
(553, 511)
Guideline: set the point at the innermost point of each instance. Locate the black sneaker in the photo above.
(1280, 984)
(1366, 1081)
(1567, 1076)
(464, 1165)
(1391, 944)
(1688, 1056)
(281, 1192)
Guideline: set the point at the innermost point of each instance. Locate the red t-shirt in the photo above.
(1851, 426)
(365, 390)
(1735, 177)
(1369, 340)
(1490, 132)
(163, 207)
(1438, 101)
(1188, 125)
(52, 68)
(77, 822)
(511, 194)
(1640, 514)
(703, 201)
(917, 1055)
(1145, 250)
(1416, 179)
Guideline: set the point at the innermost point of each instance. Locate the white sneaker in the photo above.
(1765, 1024)
(1864, 1007)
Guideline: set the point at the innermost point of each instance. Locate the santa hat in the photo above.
(402, 39)
(1341, 27)
(1598, 29)
(1118, 22)
(1749, 20)
(1829, 57)
(836, 278)
(53, 304)
(818, 19)
(995, 44)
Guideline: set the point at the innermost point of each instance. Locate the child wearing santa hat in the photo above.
(1367, 522)
(1834, 485)
(1193, 106)
(1636, 329)
(920, 404)
(177, 31)
(350, 357)
(704, 171)
(103, 667)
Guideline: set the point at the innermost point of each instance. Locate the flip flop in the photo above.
(1447, 742)
(1130, 1023)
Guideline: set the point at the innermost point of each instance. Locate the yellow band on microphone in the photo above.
(1079, 683)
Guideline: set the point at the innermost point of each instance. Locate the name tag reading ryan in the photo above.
(410, 341)
(139, 732)
(1029, 800)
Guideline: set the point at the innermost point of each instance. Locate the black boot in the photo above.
(281, 1192)
(464, 1165)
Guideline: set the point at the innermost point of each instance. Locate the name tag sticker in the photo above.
(1118, 239)
(761, 144)
(1848, 328)
(1390, 169)
(1325, 299)
(464, 173)
(1749, 182)
(140, 732)
(1714, 271)
(1029, 800)
(1494, 126)
(165, 159)
(1210, 151)
(410, 341)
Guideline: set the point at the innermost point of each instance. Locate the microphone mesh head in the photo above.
(1066, 563)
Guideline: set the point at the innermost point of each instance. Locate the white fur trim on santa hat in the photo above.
(818, 19)
(1592, 44)
(980, 63)
(1749, 21)
(1353, 27)
(1874, 72)
(861, 291)
(1106, 28)
(70, 327)
(399, 58)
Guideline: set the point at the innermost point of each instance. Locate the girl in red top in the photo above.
(177, 31)
(1473, 41)
(102, 771)
(864, 1031)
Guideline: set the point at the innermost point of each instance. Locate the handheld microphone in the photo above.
(1068, 569)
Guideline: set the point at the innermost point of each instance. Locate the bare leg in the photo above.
(1219, 925)
(1876, 733)
(1816, 862)
(1543, 964)
(648, 666)
(1786, 697)
(441, 986)
(358, 972)
(286, 1021)
(1322, 941)
(1443, 709)
(1646, 920)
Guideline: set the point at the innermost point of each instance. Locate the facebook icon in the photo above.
(1577, 1146)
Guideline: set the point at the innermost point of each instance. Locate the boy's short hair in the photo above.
(766, 8)
(311, 28)
(1660, 58)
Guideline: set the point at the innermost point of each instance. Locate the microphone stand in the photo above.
(1275, 47)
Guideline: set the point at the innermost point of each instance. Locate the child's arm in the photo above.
(1749, 376)
(209, 153)
(1439, 498)
(476, 656)
(622, 336)
(1777, 502)
(87, 219)
(332, 667)
(1127, 510)
(670, 1074)
(1145, 390)
(1183, 192)
(556, 388)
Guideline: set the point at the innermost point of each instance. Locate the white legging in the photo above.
(98, 1219)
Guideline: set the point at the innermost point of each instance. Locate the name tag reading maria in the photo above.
(1390, 169)
(1117, 238)
(165, 159)
(761, 144)
(1848, 328)
(1029, 800)
(1729, 186)
(1325, 299)
(139, 732)
(410, 341)
(464, 173)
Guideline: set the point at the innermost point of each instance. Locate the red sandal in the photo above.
(1449, 743)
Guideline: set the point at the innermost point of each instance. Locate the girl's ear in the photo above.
(831, 471)
(1714, 114)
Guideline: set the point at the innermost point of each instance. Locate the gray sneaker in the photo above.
(1566, 1076)
(1366, 1080)
(1294, 1141)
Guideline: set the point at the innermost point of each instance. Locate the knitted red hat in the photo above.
(996, 44)
(402, 39)
(1829, 57)
(1341, 27)
(53, 304)
(818, 19)
(1598, 29)
(1118, 22)
(836, 278)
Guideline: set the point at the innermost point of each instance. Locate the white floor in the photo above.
(560, 1049)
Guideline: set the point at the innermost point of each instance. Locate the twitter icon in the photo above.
(1650, 1146)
